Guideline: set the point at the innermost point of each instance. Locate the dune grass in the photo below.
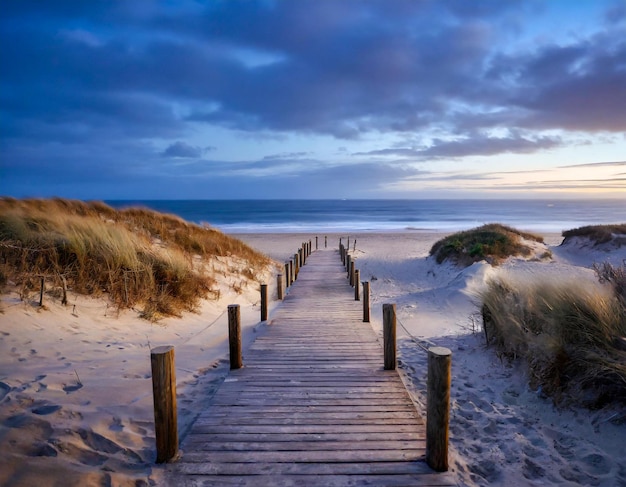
(571, 336)
(135, 256)
(598, 234)
(492, 242)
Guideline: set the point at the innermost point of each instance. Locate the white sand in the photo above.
(53, 432)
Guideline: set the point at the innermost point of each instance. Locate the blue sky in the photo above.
(313, 99)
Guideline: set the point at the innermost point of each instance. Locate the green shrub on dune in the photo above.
(493, 242)
(599, 234)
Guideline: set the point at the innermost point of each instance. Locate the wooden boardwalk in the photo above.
(312, 405)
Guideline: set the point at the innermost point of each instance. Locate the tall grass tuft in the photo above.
(136, 256)
(568, 334)
(494, 242)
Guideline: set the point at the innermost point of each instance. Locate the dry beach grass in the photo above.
(134, 256)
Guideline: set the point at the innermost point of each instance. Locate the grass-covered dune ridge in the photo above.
(599, 234)
(135, 255)
(493, 242)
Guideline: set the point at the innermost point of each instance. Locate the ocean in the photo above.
(335, 216)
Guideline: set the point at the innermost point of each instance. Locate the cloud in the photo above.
(596, 164)
(182, 150)
(477, 145)
(101, 86)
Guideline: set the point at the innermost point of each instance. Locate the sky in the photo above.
(279, 99)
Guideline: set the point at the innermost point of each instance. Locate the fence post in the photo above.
(357, 275)
(43, 287)
(263, 302)
(279, 287)
(366, 302)
(348, 258)
(164, 396)
(438, 407)
(351, 272)
(325, 241)
(296, 266)
(389, 335)
(287, 283)
(291, 272)
(316, 247)
(234, 336)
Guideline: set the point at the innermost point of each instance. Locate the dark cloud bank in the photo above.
(102, 95)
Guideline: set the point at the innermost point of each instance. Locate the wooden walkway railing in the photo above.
(312, 405)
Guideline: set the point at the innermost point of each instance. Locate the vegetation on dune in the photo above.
(493, 242)
(572, 338)
(135, 255)
(599, 234)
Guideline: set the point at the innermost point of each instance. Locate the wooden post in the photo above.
(296, 266)
(389, 335)
(366, 301)
(43, 288)
(263, 302)
(291, 272)
(325, 241)
(438, 407)
(316, 247)
(351, 272)
(310, 247)
(164, 395)
(348, 258)
(287, 283)
(279, 287)
(234, 336)
(357, 275)
(342, 253)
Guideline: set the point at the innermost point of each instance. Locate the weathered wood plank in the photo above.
(312, 405)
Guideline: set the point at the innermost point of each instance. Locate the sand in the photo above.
(76, 399)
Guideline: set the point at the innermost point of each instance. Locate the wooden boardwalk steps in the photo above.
(312, 405)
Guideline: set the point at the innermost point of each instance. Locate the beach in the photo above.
(76, 397)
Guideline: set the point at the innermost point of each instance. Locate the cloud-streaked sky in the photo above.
(313, 98)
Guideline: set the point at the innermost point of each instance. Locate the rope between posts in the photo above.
(415, 340)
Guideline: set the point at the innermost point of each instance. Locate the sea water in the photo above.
(330, 216)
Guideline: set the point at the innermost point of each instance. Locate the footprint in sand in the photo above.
(4, 390)
(46, 409)
(72, 388)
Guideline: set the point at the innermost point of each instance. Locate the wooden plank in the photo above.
(312, 405)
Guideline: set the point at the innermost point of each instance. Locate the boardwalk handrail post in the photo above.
(316, 247)
(351, 272)
(389, 335)
(438, 407)
(263, 302)
(325, 241)
(296, 266)
(234, 336)
(164, 395)
(279, 287)
(348, 259)
(287, 280)
(366, 301)
(357, 275)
